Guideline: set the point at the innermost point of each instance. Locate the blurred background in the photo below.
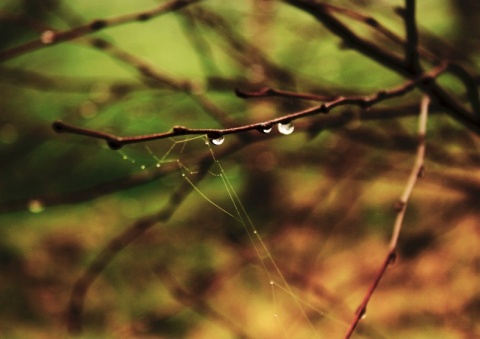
(320, 200)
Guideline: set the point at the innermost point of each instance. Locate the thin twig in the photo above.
(271, 92)
(322, 13)
(401, 208)
(116, 142)
(416, 172)
(93, 26)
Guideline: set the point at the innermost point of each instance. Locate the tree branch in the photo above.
(401, 208)
(411, 47)
(49, 38)
(322, 14)
(116, 142)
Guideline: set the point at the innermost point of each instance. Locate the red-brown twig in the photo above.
(116, 142)
(401, 208)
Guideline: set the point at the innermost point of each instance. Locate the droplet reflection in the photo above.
(286, 129)
(217, 141)
(265, 129)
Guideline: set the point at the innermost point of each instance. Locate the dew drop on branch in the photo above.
(265, 129)
(286, 129)
(35, 206)
(217, 141)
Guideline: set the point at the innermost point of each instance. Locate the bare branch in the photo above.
(401, 207)
(322, 13)
(116, 142)
(51, 37)
(416, 172)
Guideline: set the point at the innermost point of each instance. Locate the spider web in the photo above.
(288, 313)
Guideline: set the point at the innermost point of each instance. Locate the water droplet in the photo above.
(271, 282)
(35, 206)
(363, 316)
(183, 174)
(286, 129)
(217, 141)
(143, 167)
(125, 157)
(265, 129)
(48, 37)
(158, 165)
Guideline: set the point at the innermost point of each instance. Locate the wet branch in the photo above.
(117, 142)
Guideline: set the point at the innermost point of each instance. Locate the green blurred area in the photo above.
(320, 199)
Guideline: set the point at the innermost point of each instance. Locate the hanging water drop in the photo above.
(35, 206)
(143, 167)
(265, 129)
(286, 129)
(217, 141)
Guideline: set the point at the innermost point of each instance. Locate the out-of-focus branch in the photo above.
(323, 14)
(401, 208)
(471, 86)
(411, 48)
(117, 244)
(51, 37)
(194, 90)
(44, 82)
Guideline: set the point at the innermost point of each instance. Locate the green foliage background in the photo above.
(321, 199)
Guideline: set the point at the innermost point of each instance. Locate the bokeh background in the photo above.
(321, 199)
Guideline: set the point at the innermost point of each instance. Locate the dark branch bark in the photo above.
(322, 14)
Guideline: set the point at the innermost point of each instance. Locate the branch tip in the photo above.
(239, 93)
